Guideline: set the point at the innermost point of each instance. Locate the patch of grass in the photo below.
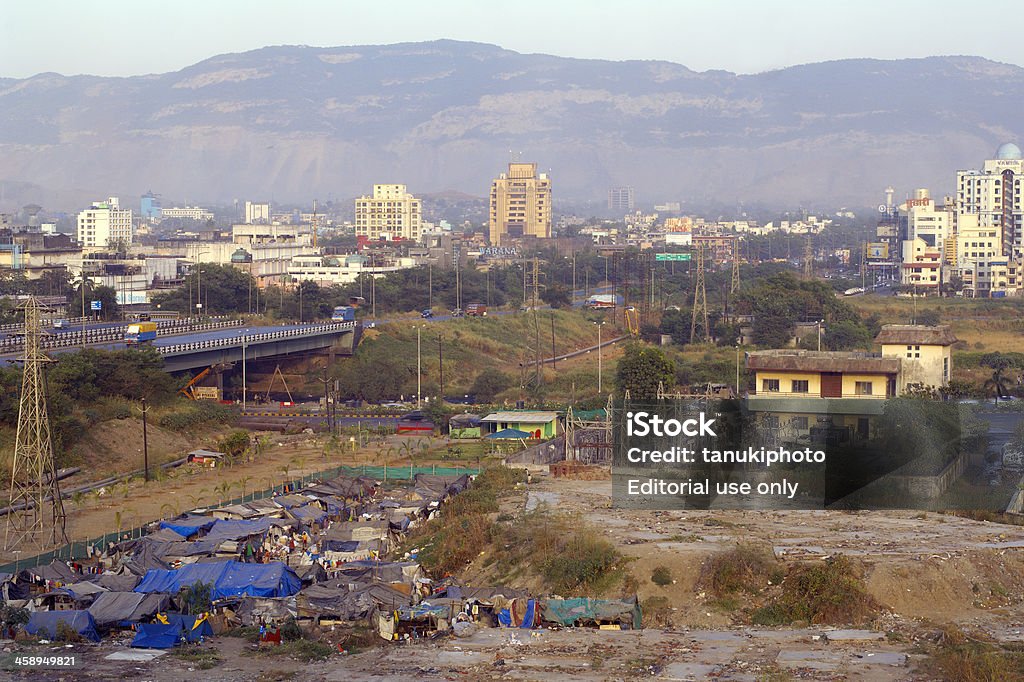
(197, 657)
(657, 612)
(661, 576)
(830, 593)
(303, 650)
(584, 563)
(249, 633)
(745, 568)
(685, 538)
(969, 658)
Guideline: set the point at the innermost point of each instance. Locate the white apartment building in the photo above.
(105, 224)
(391, 213)
(191, 212)
(922, 265)
(993, 194)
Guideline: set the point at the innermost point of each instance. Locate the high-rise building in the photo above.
(994, 195)
(105, 225)
(391, 213)
(149, 206)
(520, 204)
(257, 213)
(621, 199)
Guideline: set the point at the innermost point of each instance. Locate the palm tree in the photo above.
(244, 482)
(167, 509)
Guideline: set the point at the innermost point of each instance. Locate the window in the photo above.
(800, 423)
(800, 386)
(862, 388)
(770, 385)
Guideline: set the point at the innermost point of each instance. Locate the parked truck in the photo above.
(476, 310)
(598, 301)
(343, 313)
(140, 332)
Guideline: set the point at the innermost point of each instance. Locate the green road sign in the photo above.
(671, 256)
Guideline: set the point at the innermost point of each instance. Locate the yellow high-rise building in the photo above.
(520, 204)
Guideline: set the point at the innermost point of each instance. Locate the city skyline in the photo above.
(766, 36)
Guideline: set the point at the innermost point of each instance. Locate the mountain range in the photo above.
(293, 123)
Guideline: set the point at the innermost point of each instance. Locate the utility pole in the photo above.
(808, 256)
(440, 367)
(599, 372)
(419, 368)
(430, 286)
(36, 508)
(145, 442)
(700, 303)
(553, 361)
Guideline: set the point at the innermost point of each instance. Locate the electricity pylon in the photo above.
(700, 303)
(36, 511)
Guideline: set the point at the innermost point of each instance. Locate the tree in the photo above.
(641, 370)
(557, 296)
(846, 335)
(929, 317)
(490, 383)
(110, 309)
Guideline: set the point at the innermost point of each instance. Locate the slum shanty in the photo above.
(316, 556)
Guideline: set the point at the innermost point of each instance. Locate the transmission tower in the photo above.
(700, 303)
(808, 257)
(734, 286)
(36, 510)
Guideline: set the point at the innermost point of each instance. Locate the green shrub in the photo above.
(830, 593)
(745, 568)
(662, 576)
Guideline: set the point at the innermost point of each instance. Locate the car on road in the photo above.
(369, 325)
(458, 313)
(61, 324)
(414, 416)
(427, 314)
(394, 403)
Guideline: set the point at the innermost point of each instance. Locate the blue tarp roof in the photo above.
(229, 579)
(194, 632)
(510, 433)
(158, 636)
(225, 529)
(44, 624)
(188, 526)
(309, 513)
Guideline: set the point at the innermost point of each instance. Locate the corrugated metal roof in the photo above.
(521, 417)
(915, 335)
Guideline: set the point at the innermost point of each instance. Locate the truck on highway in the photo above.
(476, 310)
(140, 332)
(599, 301)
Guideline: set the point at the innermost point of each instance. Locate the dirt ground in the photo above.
(924, 569)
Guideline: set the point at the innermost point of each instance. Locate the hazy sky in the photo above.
(130, 37)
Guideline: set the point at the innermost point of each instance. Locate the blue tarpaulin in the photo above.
(192, 630)
(158, 636)
(187, 526)
(44, 624)
(229, 579)
(509, 434)
(308, 513)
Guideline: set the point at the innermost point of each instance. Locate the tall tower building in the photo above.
(257, 213)
(993, 194)
(105, 224)
(520, 204)
(391, 213)
(621, 199)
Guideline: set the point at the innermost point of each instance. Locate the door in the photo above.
(831, 385)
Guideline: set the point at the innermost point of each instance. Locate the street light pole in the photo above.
(819, 334)
(599, 372)
(145, 441)
(419, 372)
(243, 370)
(737, 368)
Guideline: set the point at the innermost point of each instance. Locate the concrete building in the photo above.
(621, 199)
(832, 396)
(104, 225)
(390, 213)
(993, 194)
(189, 212)
(925, 354)
(329, 270)
(257, 213)
(520, 204)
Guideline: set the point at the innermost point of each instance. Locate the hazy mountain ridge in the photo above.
(291, 123)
